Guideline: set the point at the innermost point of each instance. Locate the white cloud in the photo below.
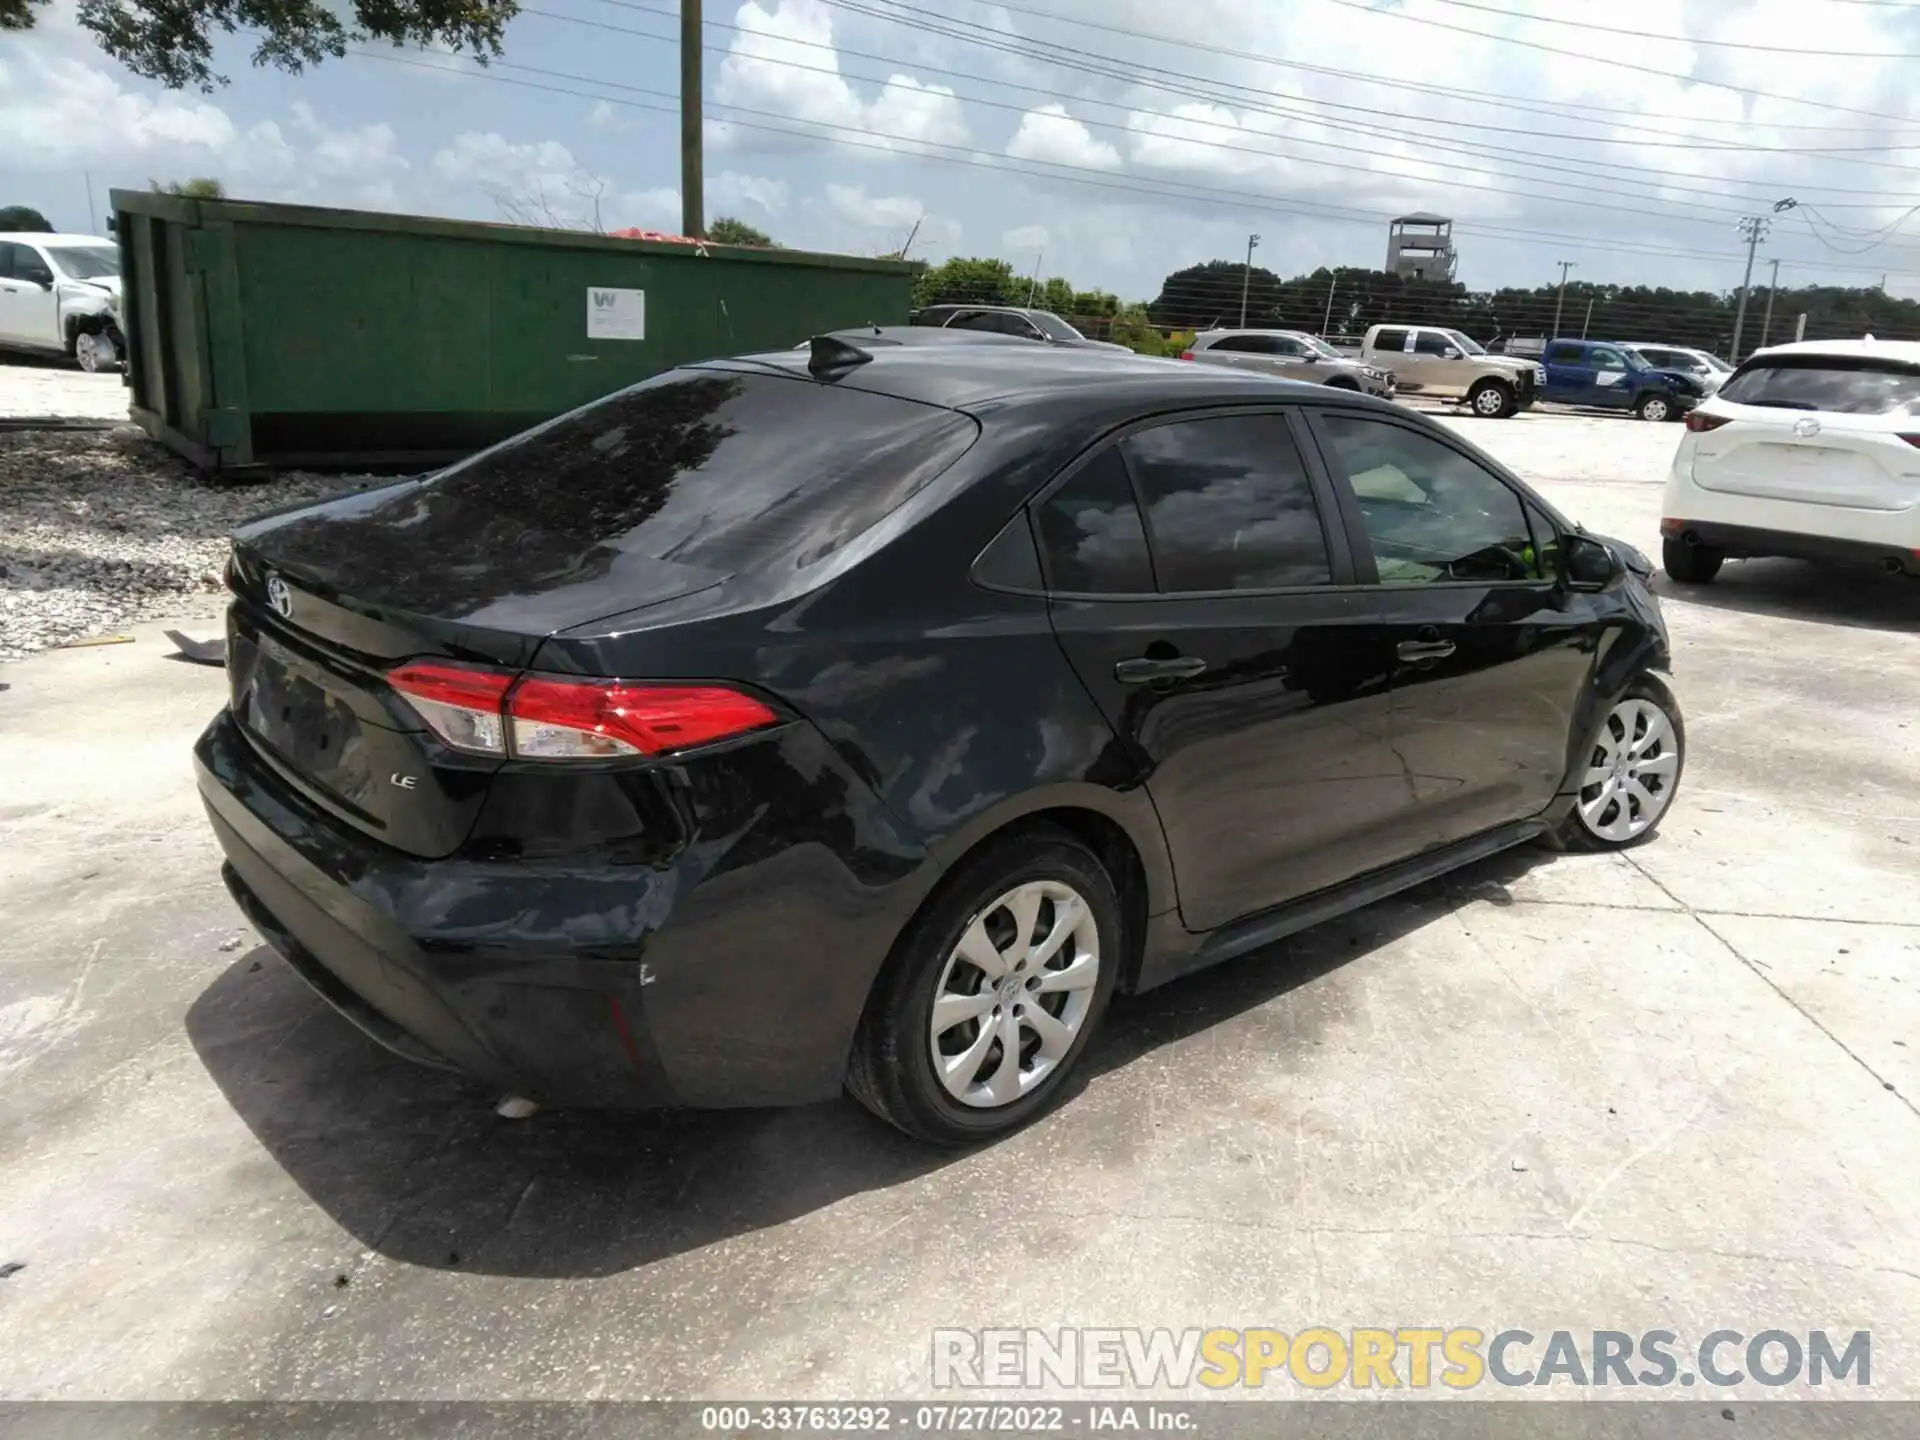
(782, 62)
(1027, 237)
(1051, 134)
(731, 190)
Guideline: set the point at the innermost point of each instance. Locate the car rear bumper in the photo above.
(1752, 542)
(591, 981)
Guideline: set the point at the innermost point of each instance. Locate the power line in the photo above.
(1482, 97)
(1242, 201)
(1140, 74)
(1711, 215)
(1591, 59)
(1676, 39)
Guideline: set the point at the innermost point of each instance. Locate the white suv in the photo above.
(1810, 450)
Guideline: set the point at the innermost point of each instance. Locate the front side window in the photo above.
(1431, 342)
(1091, 532)
(1466, 343)
(1432, 515)
(1842, 385)
(1229, 505)
(1607, 358)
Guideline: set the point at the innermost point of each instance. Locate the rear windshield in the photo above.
(1839, 384)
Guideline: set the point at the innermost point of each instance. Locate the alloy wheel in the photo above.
(1015, 993)
(1630, 772)
(1655, 410)
(90, 353)
(1489, 401)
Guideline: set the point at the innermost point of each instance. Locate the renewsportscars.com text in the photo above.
(1457, 1358)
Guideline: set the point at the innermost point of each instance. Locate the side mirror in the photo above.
(1311, 358)
(1586, 564)
(42, 278)
(1449, 354)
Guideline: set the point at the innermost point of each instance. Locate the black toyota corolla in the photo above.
(863, 719)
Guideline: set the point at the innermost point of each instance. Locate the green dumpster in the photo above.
(286, 335)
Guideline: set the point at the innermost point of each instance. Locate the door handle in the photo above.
(1424, 649)
(1145, 671)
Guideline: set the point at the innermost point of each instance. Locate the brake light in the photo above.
(549, 718)
(1671, 529)
(1186, 354)
(1697, 422)
(1913, 440)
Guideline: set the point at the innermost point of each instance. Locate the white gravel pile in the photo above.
(102, 528)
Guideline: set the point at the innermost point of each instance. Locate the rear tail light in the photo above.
(1913, 440)
(549, 718)
(1186, 354)
(1697, 422)
(1672, 529)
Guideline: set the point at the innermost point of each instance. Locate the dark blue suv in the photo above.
(1609, 375)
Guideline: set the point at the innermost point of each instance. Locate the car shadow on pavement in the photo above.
(1862, 596)
(414, 1164)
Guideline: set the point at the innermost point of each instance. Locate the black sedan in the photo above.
(864, 718)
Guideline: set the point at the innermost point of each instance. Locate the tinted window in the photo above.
(972, 320)
(6, 260)
(1228, 504)
(1607, 358)
(1431, 513)
(1244, 344)
(699, 473)
(1050, 324)
(1824, 382)
(1013, 325)
(1391, 340)
(1667, 359)
(1565, 355)
(1431, 342)
(1282, 345)
(1090, 529)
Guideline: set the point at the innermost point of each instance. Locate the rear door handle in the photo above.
(1144, 671)
(1424, 649)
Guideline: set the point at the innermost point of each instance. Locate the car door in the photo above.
(1197, 575)
(1288, 358)
(1612, 377)
(1569, 376)
(1438, 362)
(28, 309)
(1491, 650)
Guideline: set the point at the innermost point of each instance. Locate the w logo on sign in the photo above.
(604, 299)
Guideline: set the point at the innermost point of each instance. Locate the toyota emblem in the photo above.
(280, 597)
(1806, 429)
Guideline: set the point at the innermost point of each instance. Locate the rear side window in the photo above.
(711, 470)
(1391, 340)
(1840, 384)
(1565, 355)
(1245, 344)
(1090, 530)
(1228, 504)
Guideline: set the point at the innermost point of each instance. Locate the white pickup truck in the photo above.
(60, 294)
(1429, 360)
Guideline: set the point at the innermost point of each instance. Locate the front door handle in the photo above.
(1424, 649)
(1145, 671)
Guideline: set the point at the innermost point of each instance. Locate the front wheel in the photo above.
(1630, 770)
(1492, 399)
(94, 352)
(1656, 408)
(993, 992)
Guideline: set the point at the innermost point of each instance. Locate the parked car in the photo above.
(1705, 367)
(1808, 450)
(1289, 354)
(1609, 375)
(59, 294)
(866, 718)
(1448, 365)
(1041, 325)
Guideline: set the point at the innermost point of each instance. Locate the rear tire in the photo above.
(1632, 765)
(1690, 564)
(1657, 408)
(1342, 384)
(903, 1049)
(1492, 399)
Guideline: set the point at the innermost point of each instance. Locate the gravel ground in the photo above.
(31, 387)
(102, 528)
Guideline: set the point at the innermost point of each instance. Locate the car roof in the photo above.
(919, 335)
(959, 376)
(1905, 351)
(42, 237)
(1249, 330)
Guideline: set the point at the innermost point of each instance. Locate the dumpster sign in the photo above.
(616, 314)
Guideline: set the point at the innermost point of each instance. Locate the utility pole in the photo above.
(910, 234)
(1754, 228)
(1246, 275)
(1766, 323)
(1033, 281)
(93, 217)
(1327, 323)
(1565, 266)
(693, 180)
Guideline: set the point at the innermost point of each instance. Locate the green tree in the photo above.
(202, 187)
(1207, 295)
(974, 281)
(728, 231)
(172, 40)
(22, 218)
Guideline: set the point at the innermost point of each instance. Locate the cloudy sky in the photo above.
(1107, 140)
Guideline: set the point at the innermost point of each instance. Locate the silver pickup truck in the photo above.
(60, 295)
(1430, 360)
